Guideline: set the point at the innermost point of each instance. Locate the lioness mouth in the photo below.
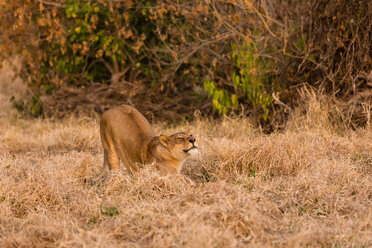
(187, 150)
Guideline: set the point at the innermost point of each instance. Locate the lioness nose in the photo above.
(192, 140)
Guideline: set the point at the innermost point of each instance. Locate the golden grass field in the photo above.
(309, 185)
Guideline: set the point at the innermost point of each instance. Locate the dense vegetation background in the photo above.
(173, 58)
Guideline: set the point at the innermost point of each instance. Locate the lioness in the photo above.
(128, 136)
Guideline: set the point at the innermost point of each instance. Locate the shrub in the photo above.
(157, 53)
(251, 81)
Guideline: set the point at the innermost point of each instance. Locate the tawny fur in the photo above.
(127, 136)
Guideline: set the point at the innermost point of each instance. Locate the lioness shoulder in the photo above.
(126, 135)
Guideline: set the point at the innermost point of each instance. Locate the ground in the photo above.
(309, 184)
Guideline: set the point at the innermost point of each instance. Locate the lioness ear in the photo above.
(164, 140)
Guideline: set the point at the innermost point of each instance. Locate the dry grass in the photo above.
(309, 185)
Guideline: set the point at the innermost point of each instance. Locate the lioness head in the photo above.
(180, 145)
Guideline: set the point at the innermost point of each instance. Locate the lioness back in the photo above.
(123, 132)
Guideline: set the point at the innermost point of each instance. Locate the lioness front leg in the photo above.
(112, 160)
(164, 168)
(105, 162)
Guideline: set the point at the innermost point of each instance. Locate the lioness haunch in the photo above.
(128, 136)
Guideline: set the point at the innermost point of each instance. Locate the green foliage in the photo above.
(93, 219)
(89, 39)
(110, 211)
(250, 82)
(19, 104)
(34, 107)
(222, 100)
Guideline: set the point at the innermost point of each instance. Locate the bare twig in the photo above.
(280, 102)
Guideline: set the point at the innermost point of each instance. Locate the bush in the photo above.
(251, 81)
(158, 55)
